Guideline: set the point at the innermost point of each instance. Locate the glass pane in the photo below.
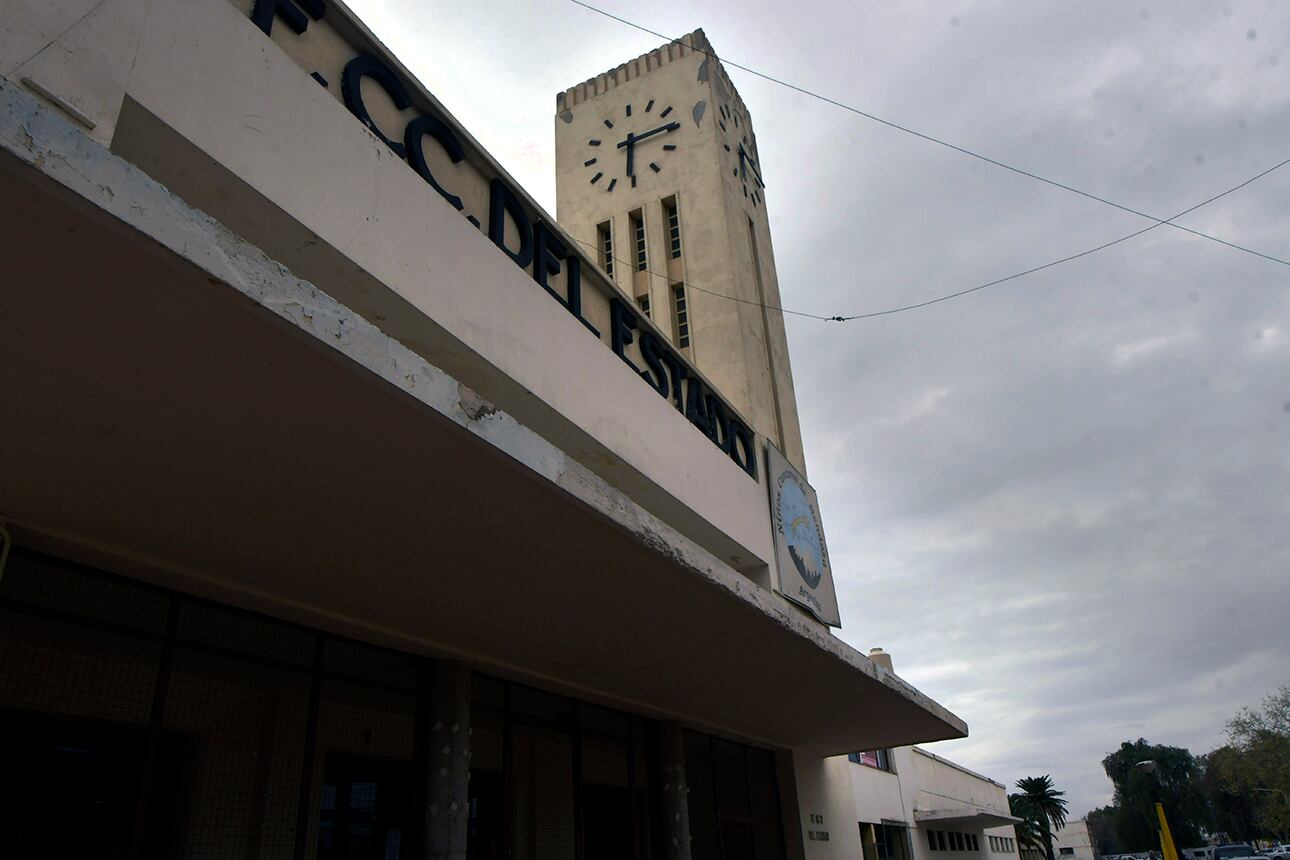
(703, 802)
(732, 779)
(606, 803)
(244, 732)
(766, 812)
(542, 823)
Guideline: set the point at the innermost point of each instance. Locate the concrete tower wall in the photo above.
(726, 262)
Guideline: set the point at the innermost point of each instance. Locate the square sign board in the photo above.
(803, 559)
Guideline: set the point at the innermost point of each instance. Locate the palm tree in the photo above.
(1042, 806)
(1030, 835)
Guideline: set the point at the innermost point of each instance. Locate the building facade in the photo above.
(337, 518)
(1075, 841)
(913, 805)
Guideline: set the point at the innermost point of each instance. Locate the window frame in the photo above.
(672, 223)
(605, 246)
(681, 325)
(640, 240)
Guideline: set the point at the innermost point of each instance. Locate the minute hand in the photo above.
(637, 138)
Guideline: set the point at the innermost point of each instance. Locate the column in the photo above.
(675, 795)
(448, 761)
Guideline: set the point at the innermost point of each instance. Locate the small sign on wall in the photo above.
(805, 576)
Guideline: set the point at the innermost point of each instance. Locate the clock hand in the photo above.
(630, 143)
(745, 157)
(637, 138)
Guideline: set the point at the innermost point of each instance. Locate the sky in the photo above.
(1061, 503)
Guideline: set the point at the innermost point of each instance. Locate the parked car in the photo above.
(1234, 851)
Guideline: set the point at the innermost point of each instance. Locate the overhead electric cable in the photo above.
(978, 287)
(936, 140)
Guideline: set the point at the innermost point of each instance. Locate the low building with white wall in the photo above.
(348, 508)
(911, 804)
(1074, 841)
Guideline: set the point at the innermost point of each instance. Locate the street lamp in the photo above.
(1166, 838)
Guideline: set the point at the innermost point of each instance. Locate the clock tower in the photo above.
(659, 175)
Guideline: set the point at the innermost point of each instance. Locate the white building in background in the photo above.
(1074, 841)
(914, 805)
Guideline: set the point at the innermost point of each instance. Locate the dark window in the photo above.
(365, 808)
(605, 245)
(704, 842)
(890, 841)
(643, 302)
(733, 801)
(638, 236)
(1066, 851)
(680, 316)
(673, 219)
(931, 841)
(880, 759)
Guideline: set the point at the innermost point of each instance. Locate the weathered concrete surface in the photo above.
(609, 637)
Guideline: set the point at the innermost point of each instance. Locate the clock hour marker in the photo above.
(612, 183)
(593, 142)
(722, 124)
(736, 119)
(727, 146)
(629, 110)
(666, 112)
(633, 180)
(596, 178)
(734, 171)
(609, 124)
(589, 162)
(669, 146)
(649, 106)
(654, 167)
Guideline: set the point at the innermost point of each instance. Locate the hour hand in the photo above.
(671, 126)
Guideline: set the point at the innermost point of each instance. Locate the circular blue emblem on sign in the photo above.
(800, 526)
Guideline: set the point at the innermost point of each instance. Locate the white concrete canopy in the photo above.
(180, 408)
(964, 817)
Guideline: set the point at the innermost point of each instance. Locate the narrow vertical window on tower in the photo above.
(680, 317)
(638, 236)
(673, 219)
(643, 302)
(605, 245)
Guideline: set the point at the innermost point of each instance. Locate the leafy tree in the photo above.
(1042, 807)
(1261, 766)
(1101, 827)
(1177, 779)
(1235, 819)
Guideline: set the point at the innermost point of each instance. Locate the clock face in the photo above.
(632, 144)
(742, 151)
